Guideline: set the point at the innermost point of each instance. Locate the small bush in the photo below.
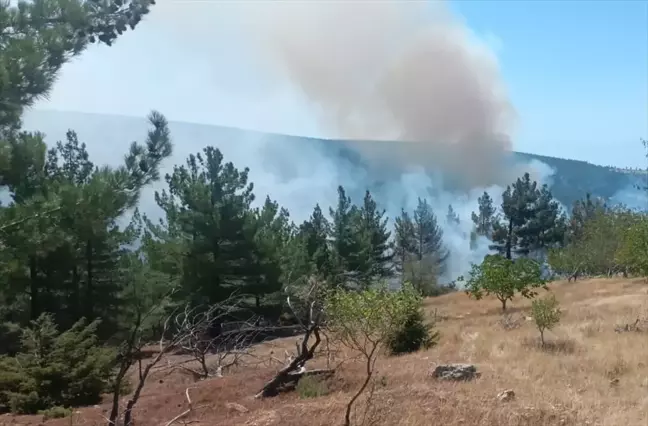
(55, 413)
(55, 369)
(311, 387)
(413, 335)
(546, 314)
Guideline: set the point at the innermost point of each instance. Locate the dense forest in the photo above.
(80, 293)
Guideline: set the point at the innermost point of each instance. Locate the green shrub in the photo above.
(55, 369)
(55, 413)
(413, 335)
(311, 387)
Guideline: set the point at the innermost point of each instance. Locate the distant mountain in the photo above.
(108, 137)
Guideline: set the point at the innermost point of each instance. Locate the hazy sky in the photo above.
(575, 72)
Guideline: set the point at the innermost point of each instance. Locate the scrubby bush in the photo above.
(414, 333)
(546, 314)
(55, 369)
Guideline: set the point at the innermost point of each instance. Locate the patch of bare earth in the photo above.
(589, 375)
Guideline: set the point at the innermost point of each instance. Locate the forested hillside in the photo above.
(88, 278)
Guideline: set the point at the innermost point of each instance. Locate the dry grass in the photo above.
(588, 375)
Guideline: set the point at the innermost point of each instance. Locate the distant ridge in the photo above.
(108, 134)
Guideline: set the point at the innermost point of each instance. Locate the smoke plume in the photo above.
(394, 70)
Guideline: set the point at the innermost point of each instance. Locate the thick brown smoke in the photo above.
(373, 70)
(394, 70)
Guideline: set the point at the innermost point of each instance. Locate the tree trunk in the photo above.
(34, 291)
(503, 304)
(89, 293)
(369, 372)
(509, 239)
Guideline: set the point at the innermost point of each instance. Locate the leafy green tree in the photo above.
(632, 251)
(503, 278)
(582, 211)
(546, 314)
(365, 321)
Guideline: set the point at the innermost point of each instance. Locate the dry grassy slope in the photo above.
(572, 386)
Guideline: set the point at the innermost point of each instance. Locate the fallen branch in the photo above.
(296, 366)
(184, 413)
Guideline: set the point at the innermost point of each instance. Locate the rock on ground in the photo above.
(455, 372)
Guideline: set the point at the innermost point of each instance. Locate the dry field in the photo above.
(590, 375)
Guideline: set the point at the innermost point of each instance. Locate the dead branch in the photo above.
(227, 349)
(131, 354)
(296, 366)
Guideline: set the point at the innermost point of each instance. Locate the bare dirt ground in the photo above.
(591, 374)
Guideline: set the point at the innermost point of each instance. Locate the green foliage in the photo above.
(55, 369)
(531, 220)
(546, 314)
(484, 219)
(419, 250)
(504, 278)
(43, 35)
(608, 241)
(55, 413)
(633, 250)
(311, 387)
(413, 334)
(365, 320)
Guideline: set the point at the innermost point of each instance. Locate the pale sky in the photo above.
(575, 72)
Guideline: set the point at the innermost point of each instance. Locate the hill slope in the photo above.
(108, 137)
(588, 375)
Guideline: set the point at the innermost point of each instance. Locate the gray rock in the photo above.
(455, 372)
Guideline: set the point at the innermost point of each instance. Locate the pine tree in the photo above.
(271, 233)
(452, 218)
(404, 241)
(348, 260)
(373, 226)
(42, 36)
(545, 228)
(208, 205)
(484, 220)
(532, 220)
(430, 255)
(315, 232)
(518, 207)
